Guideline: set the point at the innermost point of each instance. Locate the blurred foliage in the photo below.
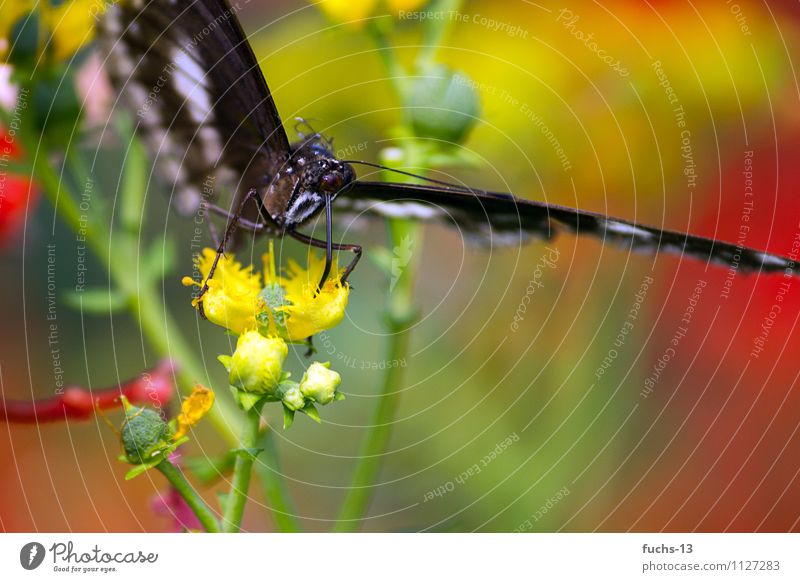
(691, 456)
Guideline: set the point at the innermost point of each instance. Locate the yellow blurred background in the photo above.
(712, 447)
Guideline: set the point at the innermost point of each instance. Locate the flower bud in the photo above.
(443, 105)
(257, 363)
(293, 398)
(21, 35)
(319, 383)
(144, 433)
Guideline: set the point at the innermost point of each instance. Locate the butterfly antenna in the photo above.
(411, 175)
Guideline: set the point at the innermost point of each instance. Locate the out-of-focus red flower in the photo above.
(730, 383)
(154, 387)
(17, 194)
(171, 505)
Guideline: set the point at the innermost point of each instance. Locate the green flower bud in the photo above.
(319, 383)
(143, 434)
(23, 40)
(444, 104)
(293, 398)
(257, 363)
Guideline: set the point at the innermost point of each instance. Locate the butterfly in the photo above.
(205, 110)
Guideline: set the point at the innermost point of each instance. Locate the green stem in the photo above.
(397, 73)
(373, 446)
(435, 31)
(160, 328)
(189, 495)
(400, 314)
(276, 492)
(234, 504)
(146, 303)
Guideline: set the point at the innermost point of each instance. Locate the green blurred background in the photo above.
(714, 446)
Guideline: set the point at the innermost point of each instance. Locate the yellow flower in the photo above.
(406, 5)
(289, 307)
(319, 383)
(231, 300)
(65, 28)
(257, 363)
(193, 409)
(347, 10)
(309, 311)
(72, 24)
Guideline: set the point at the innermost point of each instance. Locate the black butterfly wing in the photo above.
(201, 101)
(491, 218)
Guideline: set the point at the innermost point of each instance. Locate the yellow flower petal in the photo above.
(193, 409)
(406, 5)
(347, 10)
(72, 25)
(66, 27)
(310, 312)
(294, 312)
(231, 300)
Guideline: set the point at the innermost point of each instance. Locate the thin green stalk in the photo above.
(397, 73)
(276, 492)
(401, 312)
(246, 454)
(436, 30)
(146, 304)
(189, 495)
(161, 331)
(374, 444)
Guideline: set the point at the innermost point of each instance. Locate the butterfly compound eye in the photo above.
(332, 182)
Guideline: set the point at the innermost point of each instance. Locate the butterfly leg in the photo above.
(303, 124)
(233, 223)
(321, 244)
(255, 227)
(214, 233)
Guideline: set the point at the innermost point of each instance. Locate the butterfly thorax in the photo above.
(298, 191)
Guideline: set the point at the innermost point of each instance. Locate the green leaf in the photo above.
(246, 400)
(57, 109)
(288, 417)
(311, 411)
(208, 469)
(159, 260)
(97, 301)
(134, 179)
(19, 168)
(139, 469)
(176, 444)
(24, 41)
(338, 396)
(222, 498)
(225, 361)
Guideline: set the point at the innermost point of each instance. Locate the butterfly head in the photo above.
(316, 175)
(325, 175)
